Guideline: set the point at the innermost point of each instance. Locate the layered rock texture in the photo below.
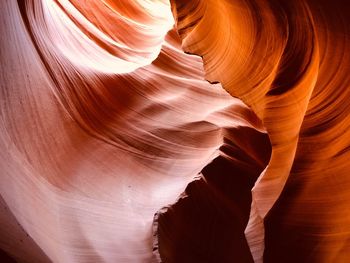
(175, 131)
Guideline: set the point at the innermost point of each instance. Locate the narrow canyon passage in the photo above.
(174, 131)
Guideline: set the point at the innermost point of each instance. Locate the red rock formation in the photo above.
(106, 116)
(287, 60)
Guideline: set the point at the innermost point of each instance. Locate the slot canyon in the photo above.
(175, 131)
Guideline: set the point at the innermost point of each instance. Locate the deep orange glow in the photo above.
(175, 131)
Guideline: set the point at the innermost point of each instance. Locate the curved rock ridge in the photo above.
(105, 36)
(90, 155)
(174, 131)
(289, 61)
(207, 223)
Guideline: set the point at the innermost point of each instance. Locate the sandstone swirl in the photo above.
(175, 131)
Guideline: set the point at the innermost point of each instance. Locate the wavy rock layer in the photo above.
(91, 149)
(106, 117)
(289, 61)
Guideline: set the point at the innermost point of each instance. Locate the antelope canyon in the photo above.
(175, 131)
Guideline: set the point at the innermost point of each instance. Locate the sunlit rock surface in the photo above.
(289, 61)
(174, 131)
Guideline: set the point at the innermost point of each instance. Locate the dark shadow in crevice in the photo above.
(207, 222)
